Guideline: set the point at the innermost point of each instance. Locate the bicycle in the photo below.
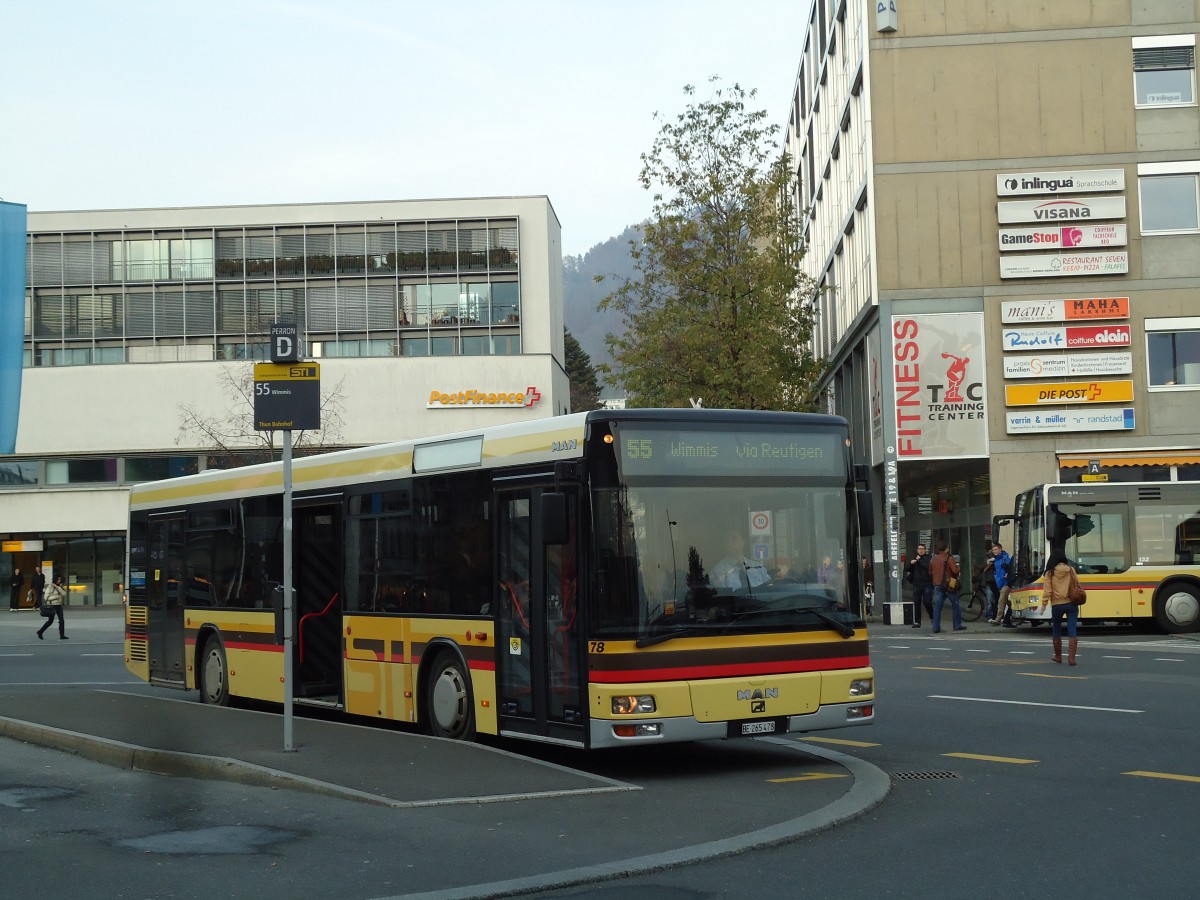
(976, 603)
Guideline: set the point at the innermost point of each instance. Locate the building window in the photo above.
(1164, 70)
(1168, 196)
(1173, 353)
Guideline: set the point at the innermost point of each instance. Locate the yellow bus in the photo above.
(599, 579)
(1136, 547)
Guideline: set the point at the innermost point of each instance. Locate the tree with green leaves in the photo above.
(715, 312)
(585, 388)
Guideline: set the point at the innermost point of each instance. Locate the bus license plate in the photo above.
(767, 727)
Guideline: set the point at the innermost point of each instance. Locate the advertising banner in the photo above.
(1074, 337)
(1087, 309)
(1079, 182)
(1034, 422)
(1061, 211)
(940, 401)
(1051, 237)
(1058, 265)
(12, 319)
(875, 395)
(1068, 365)
(1068, 392)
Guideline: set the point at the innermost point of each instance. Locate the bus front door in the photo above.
(539, 686)
(164, 599)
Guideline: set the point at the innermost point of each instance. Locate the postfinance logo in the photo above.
(483, 399)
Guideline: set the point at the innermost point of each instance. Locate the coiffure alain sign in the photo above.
(485, 399)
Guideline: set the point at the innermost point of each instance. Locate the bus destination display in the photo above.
(645, 451)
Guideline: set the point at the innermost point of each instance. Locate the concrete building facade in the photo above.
(426, 317)
(1002, 213)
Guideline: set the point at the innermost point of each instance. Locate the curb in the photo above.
(871, 786)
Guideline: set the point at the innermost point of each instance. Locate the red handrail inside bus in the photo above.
(306, 617)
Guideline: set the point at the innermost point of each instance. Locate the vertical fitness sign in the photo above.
(941, 390)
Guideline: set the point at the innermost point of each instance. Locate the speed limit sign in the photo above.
(760, 523)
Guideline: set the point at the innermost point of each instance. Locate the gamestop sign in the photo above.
(1051, 238)
(484, 399)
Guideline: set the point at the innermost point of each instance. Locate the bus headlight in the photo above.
(627, 706)
(861, 687)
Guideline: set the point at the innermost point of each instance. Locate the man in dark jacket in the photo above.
(38, 583)
(917, 574)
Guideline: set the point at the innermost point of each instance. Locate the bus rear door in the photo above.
(164, 598)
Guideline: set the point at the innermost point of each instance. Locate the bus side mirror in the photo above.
(555, 528)
(866, 513)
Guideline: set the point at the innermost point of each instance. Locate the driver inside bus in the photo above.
(736, 569)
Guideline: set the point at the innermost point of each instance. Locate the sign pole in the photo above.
(288, 674)
(287, 396)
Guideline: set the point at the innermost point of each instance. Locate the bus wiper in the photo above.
(836, 624)
(649, 640)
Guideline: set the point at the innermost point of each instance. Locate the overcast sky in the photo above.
(133, 103)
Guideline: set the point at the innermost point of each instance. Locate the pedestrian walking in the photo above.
(15, 582)
(917, 574)
(1060, 581)
(945, 573)
(56, 596)
(38, 585)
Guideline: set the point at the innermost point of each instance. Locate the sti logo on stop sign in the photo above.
(285, 343)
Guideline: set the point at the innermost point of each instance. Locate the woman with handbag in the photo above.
(56, 595)
(1064, 595)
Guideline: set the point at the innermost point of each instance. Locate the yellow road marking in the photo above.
(1166, 775)
(811, 776)
(1002, 759)
(842, 741)
(939, 669)
(1046, 675)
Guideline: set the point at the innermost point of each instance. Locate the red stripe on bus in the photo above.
(733, 671)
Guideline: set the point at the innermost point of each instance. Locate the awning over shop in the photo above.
(1164, 459)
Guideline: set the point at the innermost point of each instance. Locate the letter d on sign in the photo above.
(285, 343)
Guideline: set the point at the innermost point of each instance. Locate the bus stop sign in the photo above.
(287, 397)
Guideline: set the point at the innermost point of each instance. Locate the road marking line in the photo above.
(118, 655)
(1047, 675)
(811, 776)
(1164, 659)
(842, 742)
(900, 647)
(1021, 652)
(1004, 759)
(979, 651)
(1165, 775)
(1118, 657)
(947, 649)
(16, 654)
(939, 669)
(1031, 703)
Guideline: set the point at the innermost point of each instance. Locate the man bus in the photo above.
(550, 580)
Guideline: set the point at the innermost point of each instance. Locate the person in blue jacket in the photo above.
(1002, 576)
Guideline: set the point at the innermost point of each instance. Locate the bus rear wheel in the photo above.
(214, 674)
(1177, 609)
(450, 708)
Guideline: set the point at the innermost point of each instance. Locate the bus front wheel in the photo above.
(1177, 609)
(450, 709)
(214, 675)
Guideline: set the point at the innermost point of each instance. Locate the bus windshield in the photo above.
(723, 558)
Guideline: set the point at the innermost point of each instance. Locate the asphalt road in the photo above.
(1012, 778)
